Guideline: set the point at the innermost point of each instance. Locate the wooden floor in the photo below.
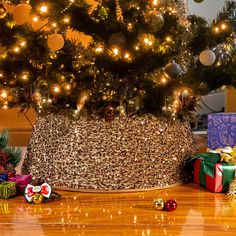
(199, 213)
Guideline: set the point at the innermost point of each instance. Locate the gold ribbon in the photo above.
(227, 154)
(119, 14)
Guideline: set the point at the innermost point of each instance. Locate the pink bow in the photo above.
(30, 190)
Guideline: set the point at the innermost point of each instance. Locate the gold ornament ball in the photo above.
(155, 21)
(37, 97)
(22, 13)
(38, 198)
(3, 11)
(56, 42)
(159, 204)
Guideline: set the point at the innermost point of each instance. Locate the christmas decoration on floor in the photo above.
(169, 205)
(40, 194)
(10, 157)
(138, 61)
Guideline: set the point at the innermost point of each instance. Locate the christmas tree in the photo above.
(112, 58)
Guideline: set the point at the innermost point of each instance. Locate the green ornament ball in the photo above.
(159, 204)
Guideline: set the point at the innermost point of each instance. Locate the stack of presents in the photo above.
(215, 169)
(11, 184)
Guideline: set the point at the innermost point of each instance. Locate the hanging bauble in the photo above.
(3, 11)
(207, 57)
(170, 205)
(223, 54)
(159, 204)
(117, 39)
(198, 1)
(36, 97)
(155, 21)
(173, 69)
(56, 42)
(21, 13)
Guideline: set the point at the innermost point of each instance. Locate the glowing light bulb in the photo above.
(56, 89)
(99, 49)
(168, 39)
(68, 87)
(4, 94)
(216, 29)
(5, 105)
(23, 44)
(136, 47)
(25, 76)
(35, 19)
(16, 50)
(163, 80)
(1, 75)
(66, 20)
(54, 24)
(127, 56)
(115, 51)
(148, 42)
(223, 26)
(154, 2)
(43, 9)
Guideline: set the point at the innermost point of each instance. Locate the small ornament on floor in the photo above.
(169, 205)
(159, 204)
(40, 194)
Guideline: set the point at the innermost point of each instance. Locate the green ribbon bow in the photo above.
(7, 190)
(209, 160)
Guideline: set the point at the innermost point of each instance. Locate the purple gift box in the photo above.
(22, 181)
(221, 130)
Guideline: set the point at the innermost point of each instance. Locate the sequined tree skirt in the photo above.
(125, 154)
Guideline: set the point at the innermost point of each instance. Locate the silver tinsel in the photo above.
(125, 154)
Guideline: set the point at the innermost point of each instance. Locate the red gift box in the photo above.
(211, 174)
(22, 181)
(214, 184)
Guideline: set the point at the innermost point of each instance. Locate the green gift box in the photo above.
(7, 190)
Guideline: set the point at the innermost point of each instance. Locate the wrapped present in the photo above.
(7, 190)
(221, 130)
(11, 174)
(22, 181)
(3, 177)
(211, 173)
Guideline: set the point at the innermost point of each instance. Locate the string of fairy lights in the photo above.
(39, 19)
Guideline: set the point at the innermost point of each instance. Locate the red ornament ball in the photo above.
(170, 205)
